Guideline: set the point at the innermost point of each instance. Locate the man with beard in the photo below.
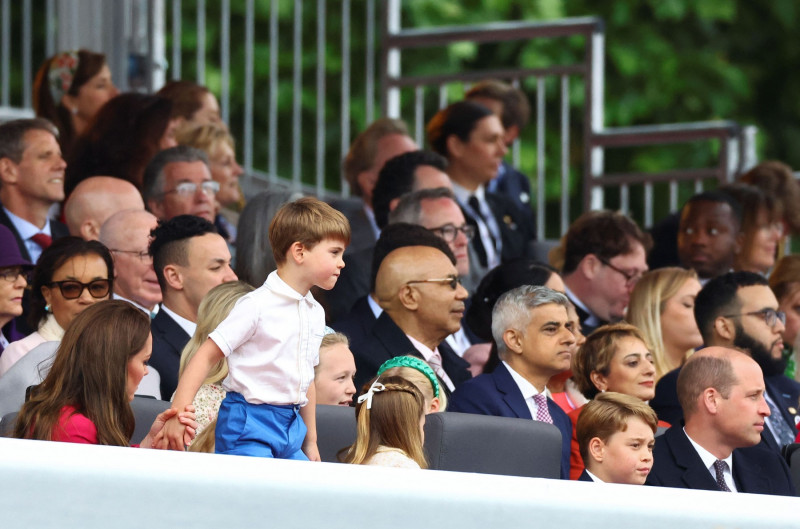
(738, 310)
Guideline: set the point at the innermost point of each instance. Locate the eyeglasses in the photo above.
(187, 189)
(452, 281)
(143, 256)
(449, 232)
(11, 274)
(73, 289)
(630, 278)
(771, 316)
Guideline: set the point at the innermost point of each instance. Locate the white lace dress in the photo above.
(391, 457)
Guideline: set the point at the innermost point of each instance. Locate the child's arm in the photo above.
(172, 435)
(309, 415)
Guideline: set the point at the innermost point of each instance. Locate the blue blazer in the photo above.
(756, 469)
(169, 340)
(497, 394)
(585, 477)
(784, 391)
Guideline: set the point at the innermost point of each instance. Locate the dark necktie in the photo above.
(719, 467)
(478, 241)
(43, 240)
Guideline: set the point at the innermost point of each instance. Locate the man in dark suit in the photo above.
(190, 258)
(722, 395)
(31, 181)
(604, 255)
(382, 140)
(738, 310)
(510, 105)
(531, 328)
(423, 302)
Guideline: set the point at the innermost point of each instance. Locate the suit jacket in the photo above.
(586, 329)
(497, 394)
(515, 233)
(516, 186)
(57, 230)
(357, 324)
(756, 469)
(783, 391)
(585, 477)
(169, 340)
(387, 340)
(352, 285)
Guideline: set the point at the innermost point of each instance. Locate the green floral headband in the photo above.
(414, 363)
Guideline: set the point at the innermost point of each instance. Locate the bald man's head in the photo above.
(94, 200)
(410, 263)
(127, 235)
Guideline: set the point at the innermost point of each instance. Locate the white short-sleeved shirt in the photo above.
(271, 339)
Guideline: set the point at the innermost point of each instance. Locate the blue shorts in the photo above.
(261, 430)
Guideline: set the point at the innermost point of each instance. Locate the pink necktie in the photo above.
(542, 413)
(43, 240)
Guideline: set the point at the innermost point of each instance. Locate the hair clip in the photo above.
(414, 363)
(328, 331)
(374, 388)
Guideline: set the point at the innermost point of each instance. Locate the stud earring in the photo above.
(47, 308)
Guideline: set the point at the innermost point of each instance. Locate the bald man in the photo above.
(94, 200)
(127, 235)
(721, 392)
(423, 301)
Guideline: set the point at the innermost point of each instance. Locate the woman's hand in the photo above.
(172, 430)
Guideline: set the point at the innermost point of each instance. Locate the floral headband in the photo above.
(414, 363)
(62, 70)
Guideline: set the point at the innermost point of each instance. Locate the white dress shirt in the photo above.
(528, 390)
(486, 230)
(709, 459)
(271, 339)
(188, 326)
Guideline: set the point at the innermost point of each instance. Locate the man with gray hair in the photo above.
(177, 181)
(531, 327)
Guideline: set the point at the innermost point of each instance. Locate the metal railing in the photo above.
(148, 31)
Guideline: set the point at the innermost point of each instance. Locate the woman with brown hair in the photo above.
(124, 136)
(86, 395)
(69, 90)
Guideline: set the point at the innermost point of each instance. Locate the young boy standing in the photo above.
(271, 341)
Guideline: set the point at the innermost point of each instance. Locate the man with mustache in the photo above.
(422, 299)
(738, 310)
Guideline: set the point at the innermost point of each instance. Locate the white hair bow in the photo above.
(374, 388)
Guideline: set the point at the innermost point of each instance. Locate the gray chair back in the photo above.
(466, 442)
(7, 423)
(336, 429)
(145, 411)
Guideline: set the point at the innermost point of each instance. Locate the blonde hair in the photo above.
(596, 355)
(205, 440)
(423, 383)
(392, 421)
(329, 340)
(608, 414)
(206, 137)
(308, 221)
(214, 308)
(648, 300)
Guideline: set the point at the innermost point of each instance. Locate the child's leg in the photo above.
(238, 431)
(296, 433)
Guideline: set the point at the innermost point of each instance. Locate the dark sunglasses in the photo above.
(71, 289)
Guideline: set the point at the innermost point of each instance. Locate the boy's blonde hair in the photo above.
(308, 221)
(608, 414)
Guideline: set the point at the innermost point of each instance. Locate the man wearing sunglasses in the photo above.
(422, 299)
(738, 310)
(178, 182)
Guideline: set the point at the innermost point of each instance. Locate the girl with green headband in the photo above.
(419, 373)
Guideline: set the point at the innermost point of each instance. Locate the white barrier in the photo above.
(46, 484)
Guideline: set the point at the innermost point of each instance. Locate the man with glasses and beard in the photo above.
(738, 310)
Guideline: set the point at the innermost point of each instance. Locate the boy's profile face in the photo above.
(627, 457)
(324, 262)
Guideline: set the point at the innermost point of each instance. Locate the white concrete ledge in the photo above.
(46, 484)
